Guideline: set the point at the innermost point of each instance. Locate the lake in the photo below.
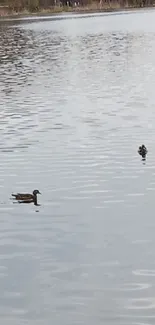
(77, 99)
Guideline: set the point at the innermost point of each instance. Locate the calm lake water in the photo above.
(77, 98)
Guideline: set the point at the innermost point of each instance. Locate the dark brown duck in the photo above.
(142, 151)
(26, 197)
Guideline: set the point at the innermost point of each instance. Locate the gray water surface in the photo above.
(77, 98)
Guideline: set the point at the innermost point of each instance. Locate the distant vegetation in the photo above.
(17, 6)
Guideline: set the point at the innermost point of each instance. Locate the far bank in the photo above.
(12, 11)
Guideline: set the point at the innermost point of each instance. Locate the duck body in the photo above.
(26, 197)
(142, 151)
(23, 196)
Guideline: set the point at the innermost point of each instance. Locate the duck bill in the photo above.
(39, 193)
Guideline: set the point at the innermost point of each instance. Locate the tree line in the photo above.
(37, 5)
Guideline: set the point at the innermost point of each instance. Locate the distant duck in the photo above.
(142, 151)
(26, 197)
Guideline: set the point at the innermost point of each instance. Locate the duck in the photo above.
(26, 197)
(142, 151)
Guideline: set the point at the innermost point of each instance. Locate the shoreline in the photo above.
(68, 11)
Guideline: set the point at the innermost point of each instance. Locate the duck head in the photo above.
(35, 192)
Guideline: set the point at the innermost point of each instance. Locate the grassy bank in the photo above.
(6, 11)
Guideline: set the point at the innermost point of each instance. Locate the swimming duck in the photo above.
(26, 197)
(142, 151)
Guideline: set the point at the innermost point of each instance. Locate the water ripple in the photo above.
(74, 108)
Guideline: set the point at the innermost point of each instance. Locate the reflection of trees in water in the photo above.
(14, 47)
(15, 73)
(31, 62)
(24, 53)
(28, 58)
